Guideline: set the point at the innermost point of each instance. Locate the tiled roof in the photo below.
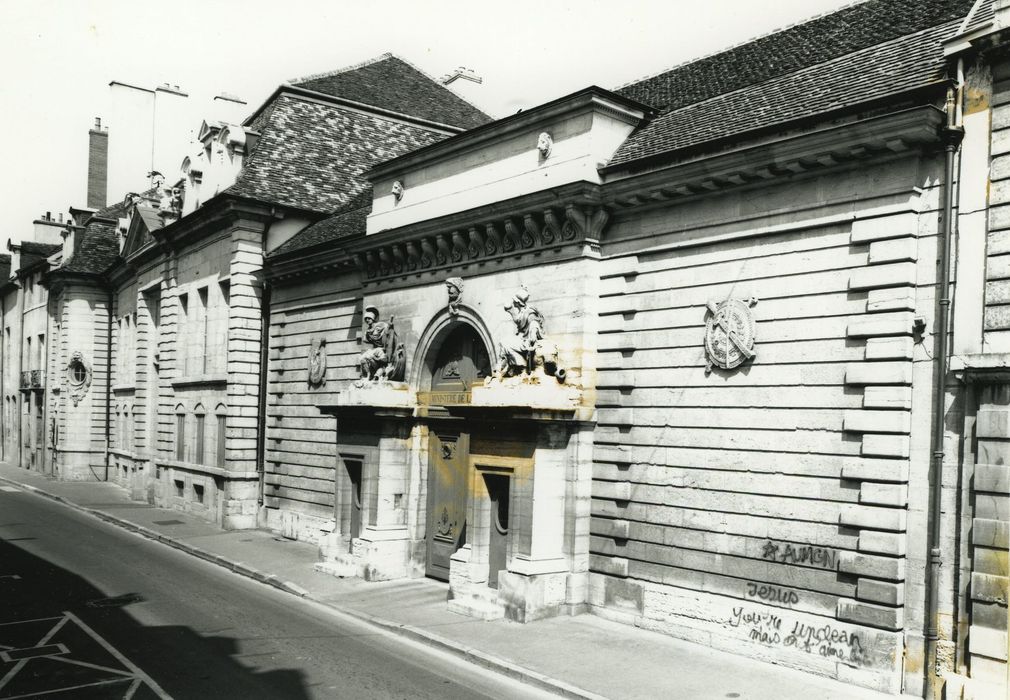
(391, 83)
(33, 253)
(312, 156)
(96, 251)
(348, 222)
(984, 11)
(858, 54)
(117, 210)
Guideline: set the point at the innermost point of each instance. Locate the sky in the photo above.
(57, 58)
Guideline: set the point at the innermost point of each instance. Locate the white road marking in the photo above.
(9, 489)
(133, 675)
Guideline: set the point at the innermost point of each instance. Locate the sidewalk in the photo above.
(581, 657)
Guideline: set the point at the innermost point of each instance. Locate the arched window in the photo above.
(180, 433)
(221, 414)
(201, 433)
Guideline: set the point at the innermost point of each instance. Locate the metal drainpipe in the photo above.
(261, 437)
(108, 388)
(952, 133)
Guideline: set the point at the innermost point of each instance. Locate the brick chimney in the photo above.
(98, 165)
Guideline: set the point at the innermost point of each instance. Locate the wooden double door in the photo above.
(461, 361)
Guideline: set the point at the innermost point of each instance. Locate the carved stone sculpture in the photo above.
(386, 359)
(545, 144)
(527, 350)
(454, 286)
(78, 376)
(397, 190)
(317, 362)
(729, 333)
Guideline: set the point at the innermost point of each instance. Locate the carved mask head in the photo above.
(545, 144)
(397, 190)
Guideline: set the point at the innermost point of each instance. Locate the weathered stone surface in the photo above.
(889, 568)
(989, 588)
(873, 615)
(890, 299)
(895, 226)
(884, 592)
(893, 250)
(886, 445)
(887, 397)
(878, 276)
(877, 421)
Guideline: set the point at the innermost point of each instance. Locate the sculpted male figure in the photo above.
(386, 359)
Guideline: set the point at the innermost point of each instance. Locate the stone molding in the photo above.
(490, 240)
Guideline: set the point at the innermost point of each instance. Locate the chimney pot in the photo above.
(98, 123)
(49, 216)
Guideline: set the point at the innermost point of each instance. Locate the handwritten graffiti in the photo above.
(824, 640)
(772, 594)
(805, 554)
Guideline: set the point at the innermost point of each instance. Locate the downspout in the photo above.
(261, 433)
(108, 387)
(951, 133)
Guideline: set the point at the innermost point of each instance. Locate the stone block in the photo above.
(887, 397)
(888, 568)
(996, 317)
(886, 445)
(989, 588)
(860, 516)
(884, 494)
(893, 250)
(990, 533)
(611, 566)
(885, 592)
(889, 470)
(869, 326)
(988, 642)
(883, 227)
(997, 267)
(862, 613)
(890, 299)
(878, 373)
(529, 598)
(998, 291)
(994, 478)
(889, 348)
(606, 527)
(877, 421)
(880, 276)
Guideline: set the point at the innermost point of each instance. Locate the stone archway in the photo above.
(456, 359)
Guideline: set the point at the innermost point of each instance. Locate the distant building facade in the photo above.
(679, 354)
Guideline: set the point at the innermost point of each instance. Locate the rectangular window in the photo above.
(199, 439)
(198, 492)
(221, 435)
(180, 437)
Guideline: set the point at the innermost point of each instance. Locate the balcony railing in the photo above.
(38, 379)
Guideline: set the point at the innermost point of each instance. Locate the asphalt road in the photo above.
(90, 611)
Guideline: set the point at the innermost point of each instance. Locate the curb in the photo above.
(468, 654)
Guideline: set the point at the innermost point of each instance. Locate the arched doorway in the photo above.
(461, 361)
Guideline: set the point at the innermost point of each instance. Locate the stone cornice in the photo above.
(771, 158)
(551, 220)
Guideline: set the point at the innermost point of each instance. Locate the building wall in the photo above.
(82, 311)
(766, 510)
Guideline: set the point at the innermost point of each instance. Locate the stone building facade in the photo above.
(721, 353)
